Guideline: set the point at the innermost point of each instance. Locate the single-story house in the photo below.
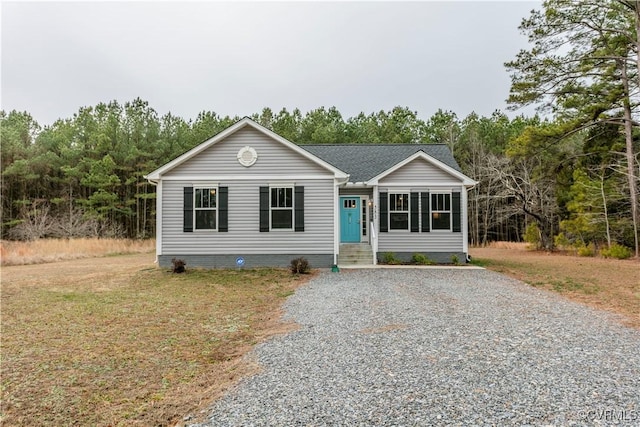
(249, 197)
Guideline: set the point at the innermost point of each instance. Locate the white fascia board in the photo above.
(466, 181)
(288, 178)
(424, 184)
(156, 174)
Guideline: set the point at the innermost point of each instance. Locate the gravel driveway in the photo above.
(426, 347)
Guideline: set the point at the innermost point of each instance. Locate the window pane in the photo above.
(212, 197)
(399, 221)
(440, 221)
(399, 202)
(281, 218)
(206, 220)
(282, 197)
(364, 219)
(288, 197)
(441, 202)
(205, 198)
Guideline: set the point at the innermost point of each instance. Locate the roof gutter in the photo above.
(152, 181)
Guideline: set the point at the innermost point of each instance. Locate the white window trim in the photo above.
(201, 186)
(432, 211)
(408, 211)
(292, 208)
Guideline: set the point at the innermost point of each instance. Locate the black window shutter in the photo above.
(223, 209)
(384, 213)
(299, 208)
(415, 214)
(264, 208)
(188, 210)
(426, 212)
(455, 207)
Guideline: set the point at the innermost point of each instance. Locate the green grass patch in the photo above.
(140, 348)
(480, 262)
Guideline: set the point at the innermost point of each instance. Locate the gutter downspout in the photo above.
(465, 218)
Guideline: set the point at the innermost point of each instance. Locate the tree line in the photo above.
(84, 175)
(570, 179)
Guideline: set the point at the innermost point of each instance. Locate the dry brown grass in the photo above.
(606, 284)
(118, 341)
(53, 250)
(520, 246)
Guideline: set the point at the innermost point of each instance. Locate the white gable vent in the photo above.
(247, 156)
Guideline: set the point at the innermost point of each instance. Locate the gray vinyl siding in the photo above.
(418, 170)
(273, 159)
(244, 236)
(431, 179)
(433, 241)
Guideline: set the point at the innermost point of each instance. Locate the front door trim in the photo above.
(350, 219)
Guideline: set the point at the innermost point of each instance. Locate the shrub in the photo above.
(178, 265)
(300, 266)
(561, 241)
(389, 258)
(532, 235)
(616, 251)
(455, 260)
(586, 250)
(421, 259)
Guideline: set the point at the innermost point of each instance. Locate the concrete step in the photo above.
(355, 254)
(355, 260)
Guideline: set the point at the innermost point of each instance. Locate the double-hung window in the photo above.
(441, 211)
(399, 211)
(205, 208)
(281, 208)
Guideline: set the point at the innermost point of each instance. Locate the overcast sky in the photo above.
(236, 58)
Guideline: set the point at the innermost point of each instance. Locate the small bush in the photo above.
(455, 260)
(420, 259)
(561, 241)
(586, 250)
(178, 265)
(300, 266)
(390, 258)
(532, 235)
(616, 251)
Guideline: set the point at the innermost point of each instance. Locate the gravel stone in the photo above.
(438, 347)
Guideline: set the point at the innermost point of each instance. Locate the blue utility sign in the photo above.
(240, 261)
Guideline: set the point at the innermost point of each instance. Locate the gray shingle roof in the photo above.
(364, 161)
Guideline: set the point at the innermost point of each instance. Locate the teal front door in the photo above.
(350, 219)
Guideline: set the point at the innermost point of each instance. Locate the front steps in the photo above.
(355, 254)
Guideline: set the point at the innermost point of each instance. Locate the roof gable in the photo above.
(368, 163)
(158, 173)
(448, 170)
